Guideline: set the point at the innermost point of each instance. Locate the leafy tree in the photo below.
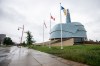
(8, 41)
(24, 44)
(29, 38)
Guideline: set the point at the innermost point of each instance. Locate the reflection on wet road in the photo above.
(28, 57)
(4, 52)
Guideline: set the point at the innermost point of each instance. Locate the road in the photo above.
(4, 52)
(28, 57)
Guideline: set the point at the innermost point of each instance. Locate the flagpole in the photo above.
(50, 32)
(61, 26)
(43, 33)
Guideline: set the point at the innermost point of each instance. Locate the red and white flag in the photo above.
(52, 18)
(45, 25)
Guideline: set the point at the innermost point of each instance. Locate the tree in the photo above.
(24, 44)
(29, 39)
(8, 41)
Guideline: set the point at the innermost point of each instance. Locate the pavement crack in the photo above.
(35, 59)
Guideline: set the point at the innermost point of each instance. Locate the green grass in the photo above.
(88, 54)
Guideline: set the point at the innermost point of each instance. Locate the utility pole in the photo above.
(22, 33)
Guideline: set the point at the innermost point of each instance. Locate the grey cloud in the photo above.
(31, 13)
(8, 13)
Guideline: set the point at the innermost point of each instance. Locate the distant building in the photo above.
(2, 36)
(69, 30)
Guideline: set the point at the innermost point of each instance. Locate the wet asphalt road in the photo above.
(15, 56)
(4, 52)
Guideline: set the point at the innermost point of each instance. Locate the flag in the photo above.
(64, 10)
(45, 25)
(52, 18)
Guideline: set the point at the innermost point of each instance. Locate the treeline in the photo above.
(92, 42)
(8, 41)
(29, 40)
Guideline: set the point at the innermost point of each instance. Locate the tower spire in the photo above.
(68, 19)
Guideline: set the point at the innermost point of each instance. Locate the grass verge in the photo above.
(88, 54)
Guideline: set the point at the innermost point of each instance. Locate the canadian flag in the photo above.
(52, 18)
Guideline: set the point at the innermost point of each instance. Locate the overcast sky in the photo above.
(32, 13)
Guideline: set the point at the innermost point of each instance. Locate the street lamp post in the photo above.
(22, 33)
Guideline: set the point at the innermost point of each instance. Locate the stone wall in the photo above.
(68, 42)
